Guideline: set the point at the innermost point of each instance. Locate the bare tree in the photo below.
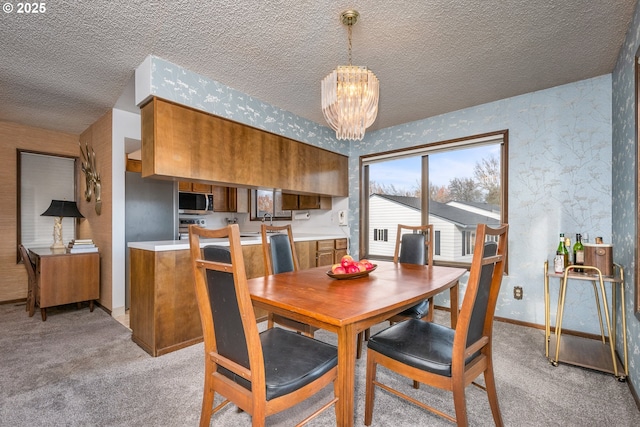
(391, 190)
(439, 193)
(464, 190)
(487, 175)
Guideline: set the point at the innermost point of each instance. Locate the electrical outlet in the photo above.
(517, 292)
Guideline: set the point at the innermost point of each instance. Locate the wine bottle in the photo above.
(562, 256)
(578, 253)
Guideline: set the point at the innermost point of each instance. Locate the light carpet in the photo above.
(82, 369)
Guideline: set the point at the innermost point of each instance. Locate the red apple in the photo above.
(334, 266)
(346, 261)
(353, 268)
(339, 270)
(361, 266)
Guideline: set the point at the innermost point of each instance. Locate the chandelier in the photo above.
(350, 94)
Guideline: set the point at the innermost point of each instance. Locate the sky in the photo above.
(444, 166)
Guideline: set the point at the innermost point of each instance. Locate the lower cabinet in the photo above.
(164, 314)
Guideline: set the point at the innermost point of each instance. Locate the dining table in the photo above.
(350, 306)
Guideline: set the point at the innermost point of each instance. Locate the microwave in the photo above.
(195, 203)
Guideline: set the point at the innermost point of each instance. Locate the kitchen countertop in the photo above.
(250, 238)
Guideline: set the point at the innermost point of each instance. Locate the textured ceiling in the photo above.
(66, 67)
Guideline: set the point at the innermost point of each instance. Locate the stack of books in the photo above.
(77, 246)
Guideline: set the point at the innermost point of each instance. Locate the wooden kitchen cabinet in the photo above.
(164, 314)
(340, 250)
(188, 144)
(195, 187)
(325, 252)
(293, 202)
(224, 199)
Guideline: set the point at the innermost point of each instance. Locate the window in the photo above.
(381, 235)
(267, 204)
(468, 242)
(36, 190)
(453, 185)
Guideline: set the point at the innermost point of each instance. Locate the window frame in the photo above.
(276, 214)
(501, 137)
(19, 169)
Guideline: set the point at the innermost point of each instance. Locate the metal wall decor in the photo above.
(91, 175)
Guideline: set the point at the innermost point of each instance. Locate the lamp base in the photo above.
(57, 234)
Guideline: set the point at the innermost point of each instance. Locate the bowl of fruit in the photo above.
(348, 268)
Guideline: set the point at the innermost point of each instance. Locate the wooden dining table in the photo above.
(347, 307)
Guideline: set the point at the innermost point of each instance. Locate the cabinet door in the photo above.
(184, 186)
(289, 202)
(324, 258)
(308, 202)
(306, 253)
(324, 252)
(224, 199)
(341, 249)
(201, 188)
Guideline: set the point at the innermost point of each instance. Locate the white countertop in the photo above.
(176, 245)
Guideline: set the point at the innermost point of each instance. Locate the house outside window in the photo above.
(453, 185)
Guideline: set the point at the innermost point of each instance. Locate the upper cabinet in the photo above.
(195, 187)
(184, 143)
(300, 202)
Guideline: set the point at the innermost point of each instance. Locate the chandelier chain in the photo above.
(349, 38)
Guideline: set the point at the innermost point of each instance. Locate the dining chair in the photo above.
(443, 357)
(261, 373)
(279, 253)
(31, 274)
(415, 247)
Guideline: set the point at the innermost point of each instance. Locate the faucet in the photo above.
(270, 218)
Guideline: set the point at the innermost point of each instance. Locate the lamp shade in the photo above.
(63, 208)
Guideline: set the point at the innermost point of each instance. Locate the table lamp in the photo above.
(60, 209)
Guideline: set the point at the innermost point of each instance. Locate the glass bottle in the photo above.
(578, 253)
(561, 259)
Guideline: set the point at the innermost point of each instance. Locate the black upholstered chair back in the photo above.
(479, 312)
(412, 249)
(227, 321)
(281, 254)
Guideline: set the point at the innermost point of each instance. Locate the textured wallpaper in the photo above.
(559, 181)
(624, 210)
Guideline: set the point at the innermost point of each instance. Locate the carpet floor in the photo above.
(82, 369)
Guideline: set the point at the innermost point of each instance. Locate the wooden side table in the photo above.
(65, 278)
(588, 353)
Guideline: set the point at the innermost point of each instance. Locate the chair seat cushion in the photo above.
(418, 311)
(423, 345)
(292, 361)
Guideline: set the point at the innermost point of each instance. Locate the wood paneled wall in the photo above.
(13, 136)
(99, 227)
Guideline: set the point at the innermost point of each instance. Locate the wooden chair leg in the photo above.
(369, 388)
(359, 340)
(207, 396)
(460, 403)
(492, 394)
(43, 314)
